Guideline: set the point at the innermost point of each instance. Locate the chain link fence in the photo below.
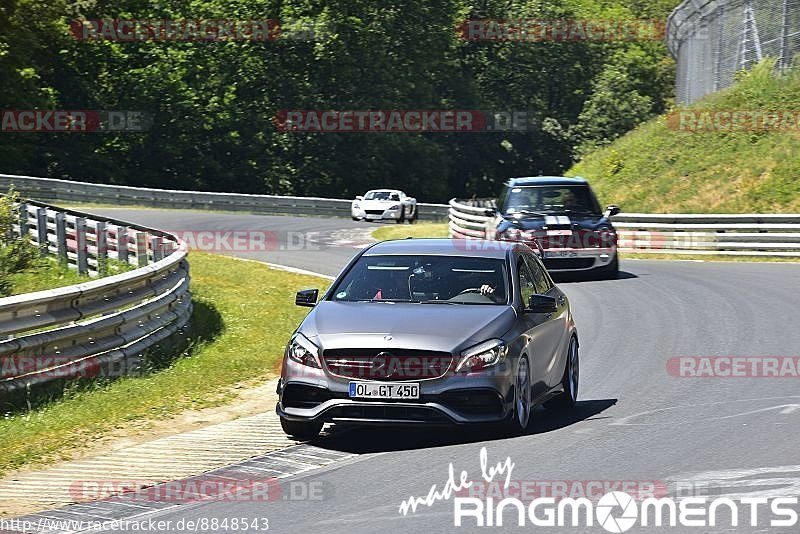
(711, 40)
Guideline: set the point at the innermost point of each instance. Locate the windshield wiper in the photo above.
(439, 302)
(382, 300)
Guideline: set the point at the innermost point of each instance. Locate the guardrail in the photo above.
(66, 190)
(100, 328)
(775, 235)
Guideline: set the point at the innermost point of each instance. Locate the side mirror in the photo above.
(306, 297)
(541, 304)
(359, 197)
(612, 210)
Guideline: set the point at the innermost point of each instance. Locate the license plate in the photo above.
(565, 233)
(379, 390)
(560, 254)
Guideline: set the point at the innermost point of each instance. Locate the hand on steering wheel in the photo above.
(486, 290)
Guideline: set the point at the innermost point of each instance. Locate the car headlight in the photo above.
(510, 234)
(395, 207)
(483, 355)
(303, 351)
(608, 237)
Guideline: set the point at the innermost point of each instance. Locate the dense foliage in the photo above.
(16, 254)
(213, 103)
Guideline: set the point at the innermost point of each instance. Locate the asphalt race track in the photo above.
(635, 421)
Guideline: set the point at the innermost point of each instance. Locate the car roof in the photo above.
(473, 248)
(547, 180)
(383, 190)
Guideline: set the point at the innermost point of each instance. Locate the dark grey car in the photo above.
(431, 331)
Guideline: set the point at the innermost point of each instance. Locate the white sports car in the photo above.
(384, 204)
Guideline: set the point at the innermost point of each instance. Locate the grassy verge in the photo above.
(705, 257)
(48, 273)
(663, 167)
(401, 231)
(252, 307)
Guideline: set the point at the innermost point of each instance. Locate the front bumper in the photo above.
(578, 259)
(375, 215)
(484, 397)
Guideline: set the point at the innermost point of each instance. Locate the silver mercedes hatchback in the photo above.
(431, 332)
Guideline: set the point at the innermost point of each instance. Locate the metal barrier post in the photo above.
(122, 244)
(61, 238)
(41, 231)
(141, 248)
(80, 245)
(101, 236)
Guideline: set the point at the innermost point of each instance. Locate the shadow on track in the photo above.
(372, 439)
(561, 278)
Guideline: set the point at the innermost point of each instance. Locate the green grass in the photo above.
(658, 169)
(249, 304)
(47, 273)
(401, 231)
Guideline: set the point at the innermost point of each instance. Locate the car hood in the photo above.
(435, 327)
(557, 222)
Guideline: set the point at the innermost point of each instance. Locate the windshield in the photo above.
(381, 195)
(550, 199)
(424, 279)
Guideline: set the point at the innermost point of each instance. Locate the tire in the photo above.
(569, 381)
(356, 219)
(610, 271)
(402, 218)
(414, 217)
(522, 414)
(304, 430)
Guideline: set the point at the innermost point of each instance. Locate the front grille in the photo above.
(556, 264)
(387, 365)
(374, 212)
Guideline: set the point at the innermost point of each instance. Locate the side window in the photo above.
(527, 285)
(540, 279)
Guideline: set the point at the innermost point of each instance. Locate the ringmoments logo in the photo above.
(615, 511)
